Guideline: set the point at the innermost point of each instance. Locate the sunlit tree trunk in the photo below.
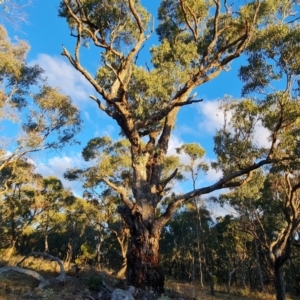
(123, 242)
(46, 242)
(99, 253)
(69, 252)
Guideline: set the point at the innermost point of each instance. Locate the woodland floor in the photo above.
(16, 286)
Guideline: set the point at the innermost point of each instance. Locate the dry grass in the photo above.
(16, 286)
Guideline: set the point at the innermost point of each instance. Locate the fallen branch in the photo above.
(61, 277)
(31, 273)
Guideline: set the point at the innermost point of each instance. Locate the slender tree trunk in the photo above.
(123, 241)
(143, 269)
(212, 283)
(261, 281)
(69, 252)
(279, 283)
(199, 235)
(46, 243)
(230, 274)
(99, 254)
(243, 276)
(121, 273)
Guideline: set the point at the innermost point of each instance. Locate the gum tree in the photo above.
(45, 119)
(197, 41)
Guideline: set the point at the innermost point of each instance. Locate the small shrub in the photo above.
(93, 282)
(162, 297)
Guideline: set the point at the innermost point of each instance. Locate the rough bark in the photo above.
(143, 269)
(148, 184)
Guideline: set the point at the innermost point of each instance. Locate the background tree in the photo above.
(270, 215)
(198, 39)
(54, 198)
(13, 12)
(20, 205)
(44, 120)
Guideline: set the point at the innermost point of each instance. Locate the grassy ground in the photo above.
(16, 286)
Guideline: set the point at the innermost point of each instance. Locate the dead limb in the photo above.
(31, 273)
(61, 277)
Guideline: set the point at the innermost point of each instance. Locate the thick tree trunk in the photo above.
(143, 269)
(279, 283)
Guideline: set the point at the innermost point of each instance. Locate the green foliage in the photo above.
(46, 119)
(94, 282)
(116, 22)
(163, 297)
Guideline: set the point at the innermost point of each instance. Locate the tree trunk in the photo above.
(46, 243)
(199, 232)
(261, 281)
(279, 283)
(143, 269)
(121, 273)
(212, 283)
(98, 257)
(69, 252)
(230, 274)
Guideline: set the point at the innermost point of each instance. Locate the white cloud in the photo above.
(212, 118)
(262, 136)
(58, 165)
(212, 175)
(175, 142)
(62, 75)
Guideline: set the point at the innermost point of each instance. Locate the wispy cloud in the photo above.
(213, 119)
(62, 75)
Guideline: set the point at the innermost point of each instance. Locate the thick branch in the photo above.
(225, 182)
(121, 191)
(164, 112)
(86, 74)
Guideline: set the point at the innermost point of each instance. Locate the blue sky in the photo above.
(46, 33)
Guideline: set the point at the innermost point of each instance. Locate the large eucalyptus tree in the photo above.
(197, 41)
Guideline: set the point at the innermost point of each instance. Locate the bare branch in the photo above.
(121, 191)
